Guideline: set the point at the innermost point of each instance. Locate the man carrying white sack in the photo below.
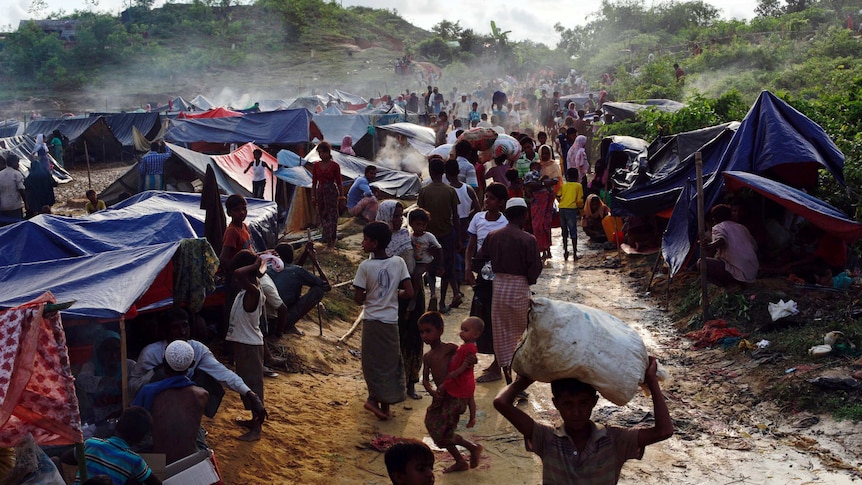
(579, 450)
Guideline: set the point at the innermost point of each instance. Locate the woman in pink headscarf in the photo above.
(577, 158)
(347, 146)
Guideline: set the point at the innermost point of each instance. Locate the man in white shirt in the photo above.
(11, 187)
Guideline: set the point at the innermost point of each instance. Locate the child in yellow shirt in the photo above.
(571, 195)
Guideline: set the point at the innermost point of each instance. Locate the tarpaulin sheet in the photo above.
(37, 390)
(627, 110)
(262, 218)
(9, 127)
(650, 195)
(101, 142)
(666, 153)
(235, 163)
(212, 113)
(336, 127)
(774, 139)
(202, 103)
(395, 183)
(145, 219)
(103, 285)
(50, 237)
(123, 124)
(421, 138)
(283, 127)
(22, 146)
(310, 103)
(811, 208)
(182, 162)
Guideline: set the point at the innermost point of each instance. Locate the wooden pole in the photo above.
(87, 158)
(701, 228)
(124, 367)
(81, 458)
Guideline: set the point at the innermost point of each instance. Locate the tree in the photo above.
(448, 30)
(769, 8)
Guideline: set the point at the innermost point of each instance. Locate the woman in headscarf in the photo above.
(594, 212)
(578, 159)
(41, 152)
(542, 201)
(101, 378)
(392, 213)
(39, 185)
(325, 192)
(347, 146)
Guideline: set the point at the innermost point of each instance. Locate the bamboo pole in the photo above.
(81, 458)
(701, 228)
(87, 158)
(124, 367)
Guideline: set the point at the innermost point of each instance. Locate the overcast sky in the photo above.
(533, 20)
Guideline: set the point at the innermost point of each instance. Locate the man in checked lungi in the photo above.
(515, 260)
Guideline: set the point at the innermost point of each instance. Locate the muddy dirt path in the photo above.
(319, 433)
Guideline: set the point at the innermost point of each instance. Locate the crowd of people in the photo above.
(486, 223)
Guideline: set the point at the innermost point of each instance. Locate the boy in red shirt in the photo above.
(452, 369)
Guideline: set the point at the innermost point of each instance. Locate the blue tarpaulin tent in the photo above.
(108, 260)
(774, 140)
(101, 143)
(284, 127)
(122, 124)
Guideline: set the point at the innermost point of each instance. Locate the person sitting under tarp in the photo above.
(594, 212)
(734, 248)
(101, 379)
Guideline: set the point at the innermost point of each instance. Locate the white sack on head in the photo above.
(568, 340)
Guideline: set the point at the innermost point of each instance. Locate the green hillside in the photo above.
(278, 49)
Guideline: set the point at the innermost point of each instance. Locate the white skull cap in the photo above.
(179, 355)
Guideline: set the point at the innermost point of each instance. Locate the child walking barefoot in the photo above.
(377, 285)
(452, 369)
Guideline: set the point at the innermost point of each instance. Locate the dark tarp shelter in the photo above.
(628, 110)
(815, 211)
(622, 154)
(123, 125)
(101, 143)
(654, 192)
(285, 127)
(774, 140)
(395, 183)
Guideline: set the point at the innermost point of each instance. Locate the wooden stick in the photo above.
(124, 366)
(82, 461)
(87, 157)
(352, 329)
(701, 228)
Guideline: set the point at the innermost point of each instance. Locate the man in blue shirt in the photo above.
(152, 167)
(114, 456)
(361, 198)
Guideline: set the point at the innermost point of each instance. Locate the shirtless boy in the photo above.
(446, 409)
